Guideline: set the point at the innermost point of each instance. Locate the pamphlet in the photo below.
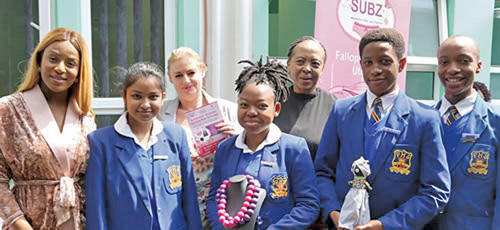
(202, 122)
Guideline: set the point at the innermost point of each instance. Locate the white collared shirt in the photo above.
(272, 137)
(464, 106)
(121, 126)
(387, 101)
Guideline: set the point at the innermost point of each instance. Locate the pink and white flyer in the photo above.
(202, 122)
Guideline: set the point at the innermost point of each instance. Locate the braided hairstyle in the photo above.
(273, 74)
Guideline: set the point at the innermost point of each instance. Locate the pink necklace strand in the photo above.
(247, 208)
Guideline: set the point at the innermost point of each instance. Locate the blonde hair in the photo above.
(82, 88)
(182, 52)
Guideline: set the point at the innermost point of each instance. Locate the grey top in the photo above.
(305, 115)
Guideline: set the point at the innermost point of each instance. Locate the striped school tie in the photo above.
(453, 115)
(377, 110)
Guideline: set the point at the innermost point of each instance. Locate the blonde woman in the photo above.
(186, 72)
(43, 137)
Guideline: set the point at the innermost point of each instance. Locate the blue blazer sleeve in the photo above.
(305, 192)
(189, 196)
(94, 187)
(496, 217)
(325, 164)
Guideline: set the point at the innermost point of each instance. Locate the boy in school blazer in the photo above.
(470, 139)
(127, 196)
(402, 140)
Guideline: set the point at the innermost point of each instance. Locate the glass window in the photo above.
(420, 85)
(495, 84)
(122, 34)
(105, 120)
(424, 36)
(288, 21)
(495, 47)
(422, 47)
(18, 23)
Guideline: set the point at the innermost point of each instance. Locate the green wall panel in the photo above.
(420, 85)
(495, 86)
(495, 49)
(68, 14)
(474, 19)
(261, 29)
(188, 24)
(288, 21)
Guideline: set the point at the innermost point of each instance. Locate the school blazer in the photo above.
(475, 184)
(116, 195)
(410, 177)
(288, 158)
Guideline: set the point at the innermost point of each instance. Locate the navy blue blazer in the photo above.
(410, 177)
(475, 183)
(116, 195)
(288, 158)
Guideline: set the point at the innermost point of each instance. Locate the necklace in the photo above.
(247, 208)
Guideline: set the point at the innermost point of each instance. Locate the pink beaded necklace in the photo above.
(247, 208)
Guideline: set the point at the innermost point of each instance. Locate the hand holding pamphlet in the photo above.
(203, 122)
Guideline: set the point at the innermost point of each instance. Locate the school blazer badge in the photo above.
(479, 162)
(279, 187)
(401, 162)
(174, 175)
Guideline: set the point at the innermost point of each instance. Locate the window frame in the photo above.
(106, 106)
(495, 69)
(430, 64)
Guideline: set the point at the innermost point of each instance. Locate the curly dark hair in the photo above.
(273, 74)
(384, 35)
(480, 87)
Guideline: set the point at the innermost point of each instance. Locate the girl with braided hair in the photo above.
(280, 162)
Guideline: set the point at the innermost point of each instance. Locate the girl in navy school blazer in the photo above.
(281, 162)
(141, 180)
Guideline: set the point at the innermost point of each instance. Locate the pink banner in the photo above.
(340, 24)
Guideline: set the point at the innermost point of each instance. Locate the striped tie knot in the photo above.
(376, 114)
(453, 116)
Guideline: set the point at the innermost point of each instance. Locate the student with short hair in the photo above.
(400, 137)
(470, 138)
